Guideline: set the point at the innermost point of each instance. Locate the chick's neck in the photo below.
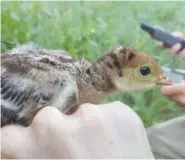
(94, 83)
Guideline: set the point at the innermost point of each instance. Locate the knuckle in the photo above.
(90, 112)
(47, 117)
(115, 111)
(119, 102)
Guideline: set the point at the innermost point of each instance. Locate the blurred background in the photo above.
(87, 29)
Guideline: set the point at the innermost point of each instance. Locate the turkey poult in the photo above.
(33, 78)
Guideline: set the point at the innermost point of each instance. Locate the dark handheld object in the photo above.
(168, 39)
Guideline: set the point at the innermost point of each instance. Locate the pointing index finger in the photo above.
(173, 89)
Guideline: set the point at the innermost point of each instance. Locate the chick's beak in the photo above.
(163, 80)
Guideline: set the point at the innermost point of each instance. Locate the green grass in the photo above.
(90, 28)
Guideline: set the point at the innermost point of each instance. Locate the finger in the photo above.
(180, 99)
(182, 36)
(160, 44)
(13, 138)
(182, 54)
(114, 112)
(47, 117)
(86, 111)
(107, 124)
(50, 126)
(91, 131)
(178, 34)
(170, 52)
(173, 89)
(113, 109)
(173, 50)
(122, 121)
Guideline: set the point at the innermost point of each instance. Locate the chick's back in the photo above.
(29, 82)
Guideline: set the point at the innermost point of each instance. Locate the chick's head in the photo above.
(132, 70)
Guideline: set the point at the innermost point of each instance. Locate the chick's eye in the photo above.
(144, 70)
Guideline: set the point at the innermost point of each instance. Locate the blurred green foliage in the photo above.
(90, 28)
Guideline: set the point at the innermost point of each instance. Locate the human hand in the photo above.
(174, 49)
(175, 92)
(111, 130)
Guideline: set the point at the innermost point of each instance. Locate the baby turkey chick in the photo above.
(32, 78)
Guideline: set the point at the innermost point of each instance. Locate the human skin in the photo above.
(111, 130)
(173, 50)
(175, 92)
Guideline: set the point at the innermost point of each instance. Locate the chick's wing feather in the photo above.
(29, 79)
